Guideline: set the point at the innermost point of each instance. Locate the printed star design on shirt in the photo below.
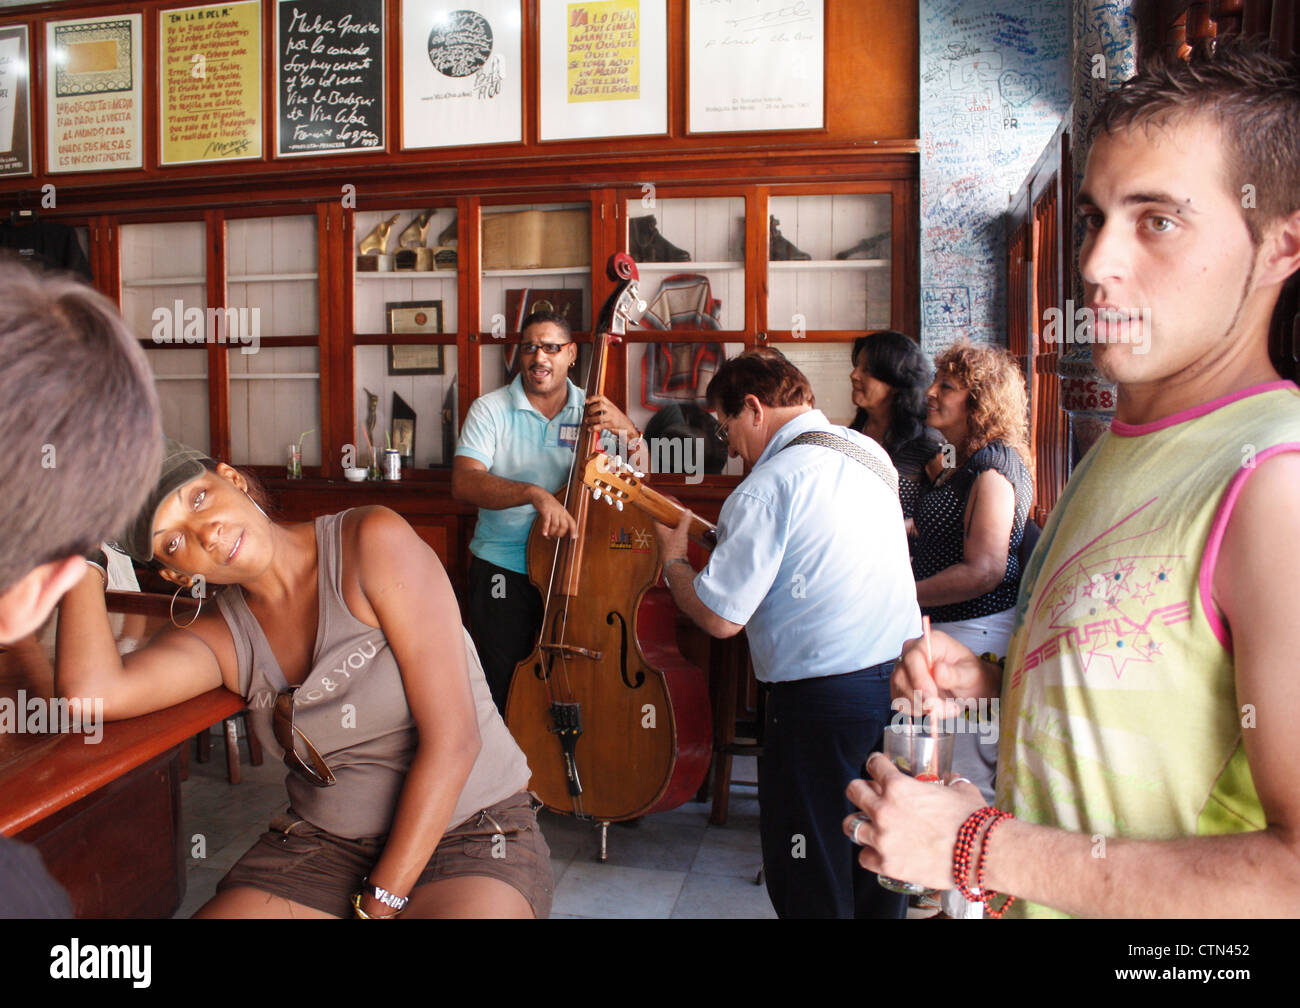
(1141, 592)
(1104, 614)
(1148, 649)
(1067, 595)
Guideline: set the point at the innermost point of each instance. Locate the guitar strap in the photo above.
(847, 447)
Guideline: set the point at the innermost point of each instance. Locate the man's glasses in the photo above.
(720, 432)
(550, 349)
(317, 772)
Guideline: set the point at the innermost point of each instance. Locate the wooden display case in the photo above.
(281, 235)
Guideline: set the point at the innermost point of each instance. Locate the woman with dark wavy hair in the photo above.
(969, 525)
(889, 379)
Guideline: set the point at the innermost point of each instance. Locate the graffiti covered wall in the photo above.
(995, 84)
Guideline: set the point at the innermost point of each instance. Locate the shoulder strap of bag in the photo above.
(847, 447)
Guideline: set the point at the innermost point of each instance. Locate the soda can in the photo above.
(392, 464)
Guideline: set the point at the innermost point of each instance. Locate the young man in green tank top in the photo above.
(1150, 690)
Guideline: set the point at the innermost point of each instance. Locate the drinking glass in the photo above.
(925, 753)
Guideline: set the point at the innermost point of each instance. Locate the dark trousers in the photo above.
(505, 613)
(817, 735)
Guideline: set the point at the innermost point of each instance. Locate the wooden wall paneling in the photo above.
(1053, 447)
(906, 268)
(393, 75)
(219, 446)
(1285, 27)
(1021, 334)
(106, 260)
(871, 98)
(677, 82)
(470, 260)
(269, 89)
(1257, 18)
(872, 69)
(1177, 25)
(1199, 25)
(36, 89)
(347, 423)
(757, 209)
(336, 360)
(530, 109)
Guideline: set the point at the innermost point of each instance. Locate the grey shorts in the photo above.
(300, 862)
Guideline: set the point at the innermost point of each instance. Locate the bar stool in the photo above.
(731, 681)
(230, 728)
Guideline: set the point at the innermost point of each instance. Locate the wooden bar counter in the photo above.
(105, 815)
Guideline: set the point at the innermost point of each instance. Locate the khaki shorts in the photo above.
(299, 862)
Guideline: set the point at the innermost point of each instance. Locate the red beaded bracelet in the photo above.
(961, 852)
(989, 895)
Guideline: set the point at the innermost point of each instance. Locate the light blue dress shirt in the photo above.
(812, 560)
(505, 432)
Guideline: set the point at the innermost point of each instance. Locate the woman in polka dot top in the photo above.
(969, 523)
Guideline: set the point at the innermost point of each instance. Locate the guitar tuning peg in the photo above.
(641, 306)
(609, 499)
(638, 475)
(595, 493)
(619, 505)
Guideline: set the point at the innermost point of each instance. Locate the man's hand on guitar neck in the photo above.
(680, 578)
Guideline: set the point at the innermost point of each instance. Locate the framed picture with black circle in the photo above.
(414, 317)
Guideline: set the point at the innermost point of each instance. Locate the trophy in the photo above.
(373, 250)
(372, 408)
(412, 252)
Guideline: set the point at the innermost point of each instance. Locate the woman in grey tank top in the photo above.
(406, 790)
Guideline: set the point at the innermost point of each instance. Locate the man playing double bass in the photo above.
(514, 451)
(812, 562)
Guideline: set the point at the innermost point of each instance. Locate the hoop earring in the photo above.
(257, 505)
(171, 612)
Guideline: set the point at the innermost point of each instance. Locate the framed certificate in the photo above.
(415, 317)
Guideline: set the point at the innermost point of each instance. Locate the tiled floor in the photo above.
(673, 864)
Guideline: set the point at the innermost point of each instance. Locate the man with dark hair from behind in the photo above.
(1148, 744)
(80, 419)
(812, 563)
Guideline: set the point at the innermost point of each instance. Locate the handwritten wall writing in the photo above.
(330, 71)
(994, 86)
(211, 68)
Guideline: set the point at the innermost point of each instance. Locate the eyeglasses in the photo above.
(282, 725)
(720, 432)
(551, 349)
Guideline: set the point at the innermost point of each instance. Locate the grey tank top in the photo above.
(352, 706)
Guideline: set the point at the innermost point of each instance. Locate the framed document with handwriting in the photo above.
(210, 83)
(756, 65)
(93, 104)
(329, 66)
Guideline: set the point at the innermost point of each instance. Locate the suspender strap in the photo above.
(847, 447)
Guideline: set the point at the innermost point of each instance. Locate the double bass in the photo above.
(614, 721)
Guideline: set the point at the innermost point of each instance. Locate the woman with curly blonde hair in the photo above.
(970, 522)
